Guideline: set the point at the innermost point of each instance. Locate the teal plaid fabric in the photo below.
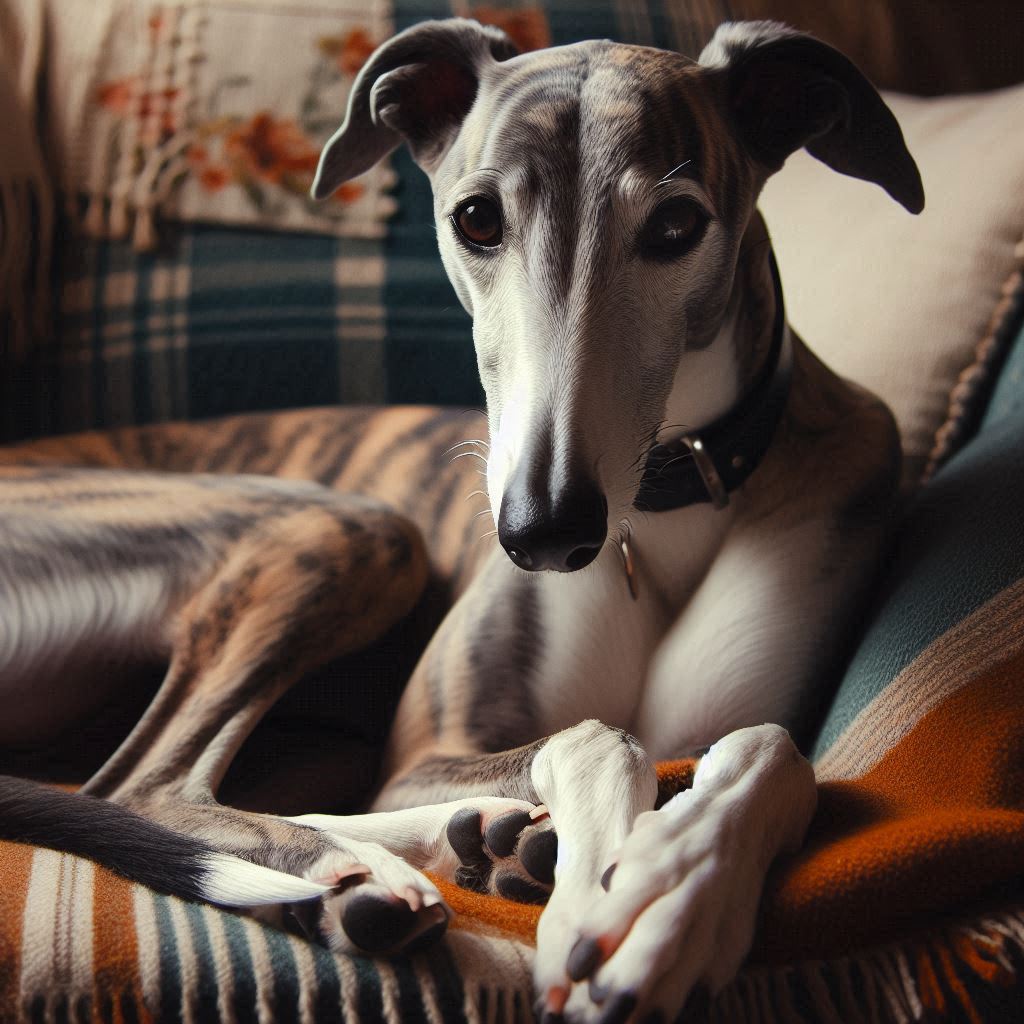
(229, 320)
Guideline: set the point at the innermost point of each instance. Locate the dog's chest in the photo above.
(598, 639)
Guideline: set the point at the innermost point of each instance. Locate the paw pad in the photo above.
(513, 856)
(376, 921)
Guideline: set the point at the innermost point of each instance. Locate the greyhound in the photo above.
(688, 508)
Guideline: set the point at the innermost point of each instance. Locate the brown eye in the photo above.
(478, 220)
(675, 227)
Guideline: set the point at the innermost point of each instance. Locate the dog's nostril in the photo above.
(521, 558)
(581, 557)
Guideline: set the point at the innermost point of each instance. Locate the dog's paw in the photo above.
(679, 913)
(682, 891)
(672, 911)
(510, 854)
(378, 903)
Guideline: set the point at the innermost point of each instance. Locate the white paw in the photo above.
(680, 910)
(378, 903)
(381, 903)
(683, 895)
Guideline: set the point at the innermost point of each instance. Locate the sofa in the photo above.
(159, 262)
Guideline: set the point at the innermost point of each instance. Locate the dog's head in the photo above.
(591, 201)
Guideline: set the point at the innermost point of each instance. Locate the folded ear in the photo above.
(787, 90)
(415, 88)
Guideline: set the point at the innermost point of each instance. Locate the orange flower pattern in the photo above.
(349, 51)
(155, 110)
(272, 158)
(270, 149)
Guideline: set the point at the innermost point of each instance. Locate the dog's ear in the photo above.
(786, 90)
(415, 88)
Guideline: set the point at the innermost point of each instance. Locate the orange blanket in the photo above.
(880, 917)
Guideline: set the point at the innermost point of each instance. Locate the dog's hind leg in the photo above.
(244, 584)
(307, 584)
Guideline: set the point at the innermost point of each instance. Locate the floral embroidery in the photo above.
(272, 159)
(220, 145)
(154, 110)
(349, 51)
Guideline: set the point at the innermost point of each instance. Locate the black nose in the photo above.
(563, 534)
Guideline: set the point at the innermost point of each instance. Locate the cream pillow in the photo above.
(902, 304)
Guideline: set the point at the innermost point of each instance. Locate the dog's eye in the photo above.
(478, 220)
(674, 228)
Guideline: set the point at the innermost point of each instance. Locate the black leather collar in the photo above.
(709, 464)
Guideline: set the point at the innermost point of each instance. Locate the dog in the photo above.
(688, 507)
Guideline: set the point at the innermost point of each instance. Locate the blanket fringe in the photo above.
(497, 977)
(967, 971)
(143, 156)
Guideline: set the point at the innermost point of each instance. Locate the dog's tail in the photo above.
(139, 849)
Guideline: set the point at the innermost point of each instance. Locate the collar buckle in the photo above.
(706, 468)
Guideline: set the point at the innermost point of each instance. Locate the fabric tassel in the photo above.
(118, 218)
(144, 236)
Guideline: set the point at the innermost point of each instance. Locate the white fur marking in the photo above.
(233, 882)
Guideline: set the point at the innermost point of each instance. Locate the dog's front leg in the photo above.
(683, 889)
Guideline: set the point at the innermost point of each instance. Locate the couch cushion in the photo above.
(898, 303)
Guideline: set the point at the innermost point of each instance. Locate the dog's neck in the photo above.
(728, 413)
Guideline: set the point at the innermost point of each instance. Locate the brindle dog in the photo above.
(687, 503)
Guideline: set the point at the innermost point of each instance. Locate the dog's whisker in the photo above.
(473, 494)
(462, 455)
(671, 174)
(470, 441)
(673, 461)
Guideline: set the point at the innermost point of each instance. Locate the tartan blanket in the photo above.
(905, 903)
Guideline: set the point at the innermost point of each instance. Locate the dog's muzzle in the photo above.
(564, 533)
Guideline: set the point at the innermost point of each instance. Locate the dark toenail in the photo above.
(307, 918)
(550, 1017)
(502, 833)
(618, 1008)
(598, 993)
(512, 887)
(429, 936)
(606, 878)
(463, 834)
(472, 878)
(583, 958)
(376, 923)
(538, 854)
